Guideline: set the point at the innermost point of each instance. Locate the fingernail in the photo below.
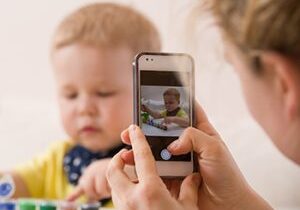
(123, 150)
(132, 128)
(122, 134)
(173, 145)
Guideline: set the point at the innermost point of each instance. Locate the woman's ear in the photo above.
(286, 81)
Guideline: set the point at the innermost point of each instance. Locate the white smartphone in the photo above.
(164, 106)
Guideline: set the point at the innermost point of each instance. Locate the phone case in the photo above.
(136, 93)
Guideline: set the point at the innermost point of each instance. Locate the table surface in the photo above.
(288, 208)
(173, 130)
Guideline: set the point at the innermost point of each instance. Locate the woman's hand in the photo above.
(150, 192)
(223, 186)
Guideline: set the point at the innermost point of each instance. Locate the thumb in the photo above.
(191, 139)
(189, 189)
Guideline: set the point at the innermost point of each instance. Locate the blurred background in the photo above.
(29, 119)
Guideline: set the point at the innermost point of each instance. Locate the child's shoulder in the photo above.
(61, 146)
(181, 112)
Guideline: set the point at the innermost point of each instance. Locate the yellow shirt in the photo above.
(44, 175)
(180, 113)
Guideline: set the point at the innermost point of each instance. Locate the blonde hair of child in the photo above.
(260, 25)
(172, 92)
(107, 25)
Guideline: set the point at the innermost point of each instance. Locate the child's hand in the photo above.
(181, 121)
(143, 108)
(168, 120)
(92, 183)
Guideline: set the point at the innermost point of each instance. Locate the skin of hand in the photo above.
(149, 192)
(181, 121)
(92, 183)
(168, 120)
(153, 113)
(222, 184)
(144, 108)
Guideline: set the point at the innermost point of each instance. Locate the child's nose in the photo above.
(87, 106)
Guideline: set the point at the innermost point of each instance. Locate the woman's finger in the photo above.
(195, 140)
(173, 185)
(202, 122)
(128, 157)
(143, 157)
(125, 137)
(189, 189)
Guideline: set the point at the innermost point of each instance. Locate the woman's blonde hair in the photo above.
(261, 25)
(107, 25)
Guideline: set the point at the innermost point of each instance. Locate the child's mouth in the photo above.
(89, 129)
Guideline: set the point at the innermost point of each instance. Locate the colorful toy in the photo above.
(145, 117)
(7, 189)
(90, 206)
(36, 204)
(157, 125)
(47, 206)
(65, 205)
(26, 204)
(7, 205)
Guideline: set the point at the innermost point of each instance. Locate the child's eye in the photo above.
(105, 94)
(71, 95)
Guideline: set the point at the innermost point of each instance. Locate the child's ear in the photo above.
(286, 81)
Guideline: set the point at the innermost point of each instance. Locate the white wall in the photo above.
(28, 113)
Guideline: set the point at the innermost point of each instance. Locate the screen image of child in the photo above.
(164, 110)
(172, 112)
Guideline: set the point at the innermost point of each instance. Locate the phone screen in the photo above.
(165, 109)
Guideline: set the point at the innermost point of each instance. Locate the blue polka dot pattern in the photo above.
(78, 158)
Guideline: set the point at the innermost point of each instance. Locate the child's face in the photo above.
(171, 103)
(95, 93)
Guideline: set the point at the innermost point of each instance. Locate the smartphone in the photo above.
(164, 106)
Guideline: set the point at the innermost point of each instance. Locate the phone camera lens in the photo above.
(151, 59)
(147, 59)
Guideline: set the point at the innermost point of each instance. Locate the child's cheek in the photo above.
(69, 122)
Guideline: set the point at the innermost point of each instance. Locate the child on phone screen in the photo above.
(92, 52)
(172, 112)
